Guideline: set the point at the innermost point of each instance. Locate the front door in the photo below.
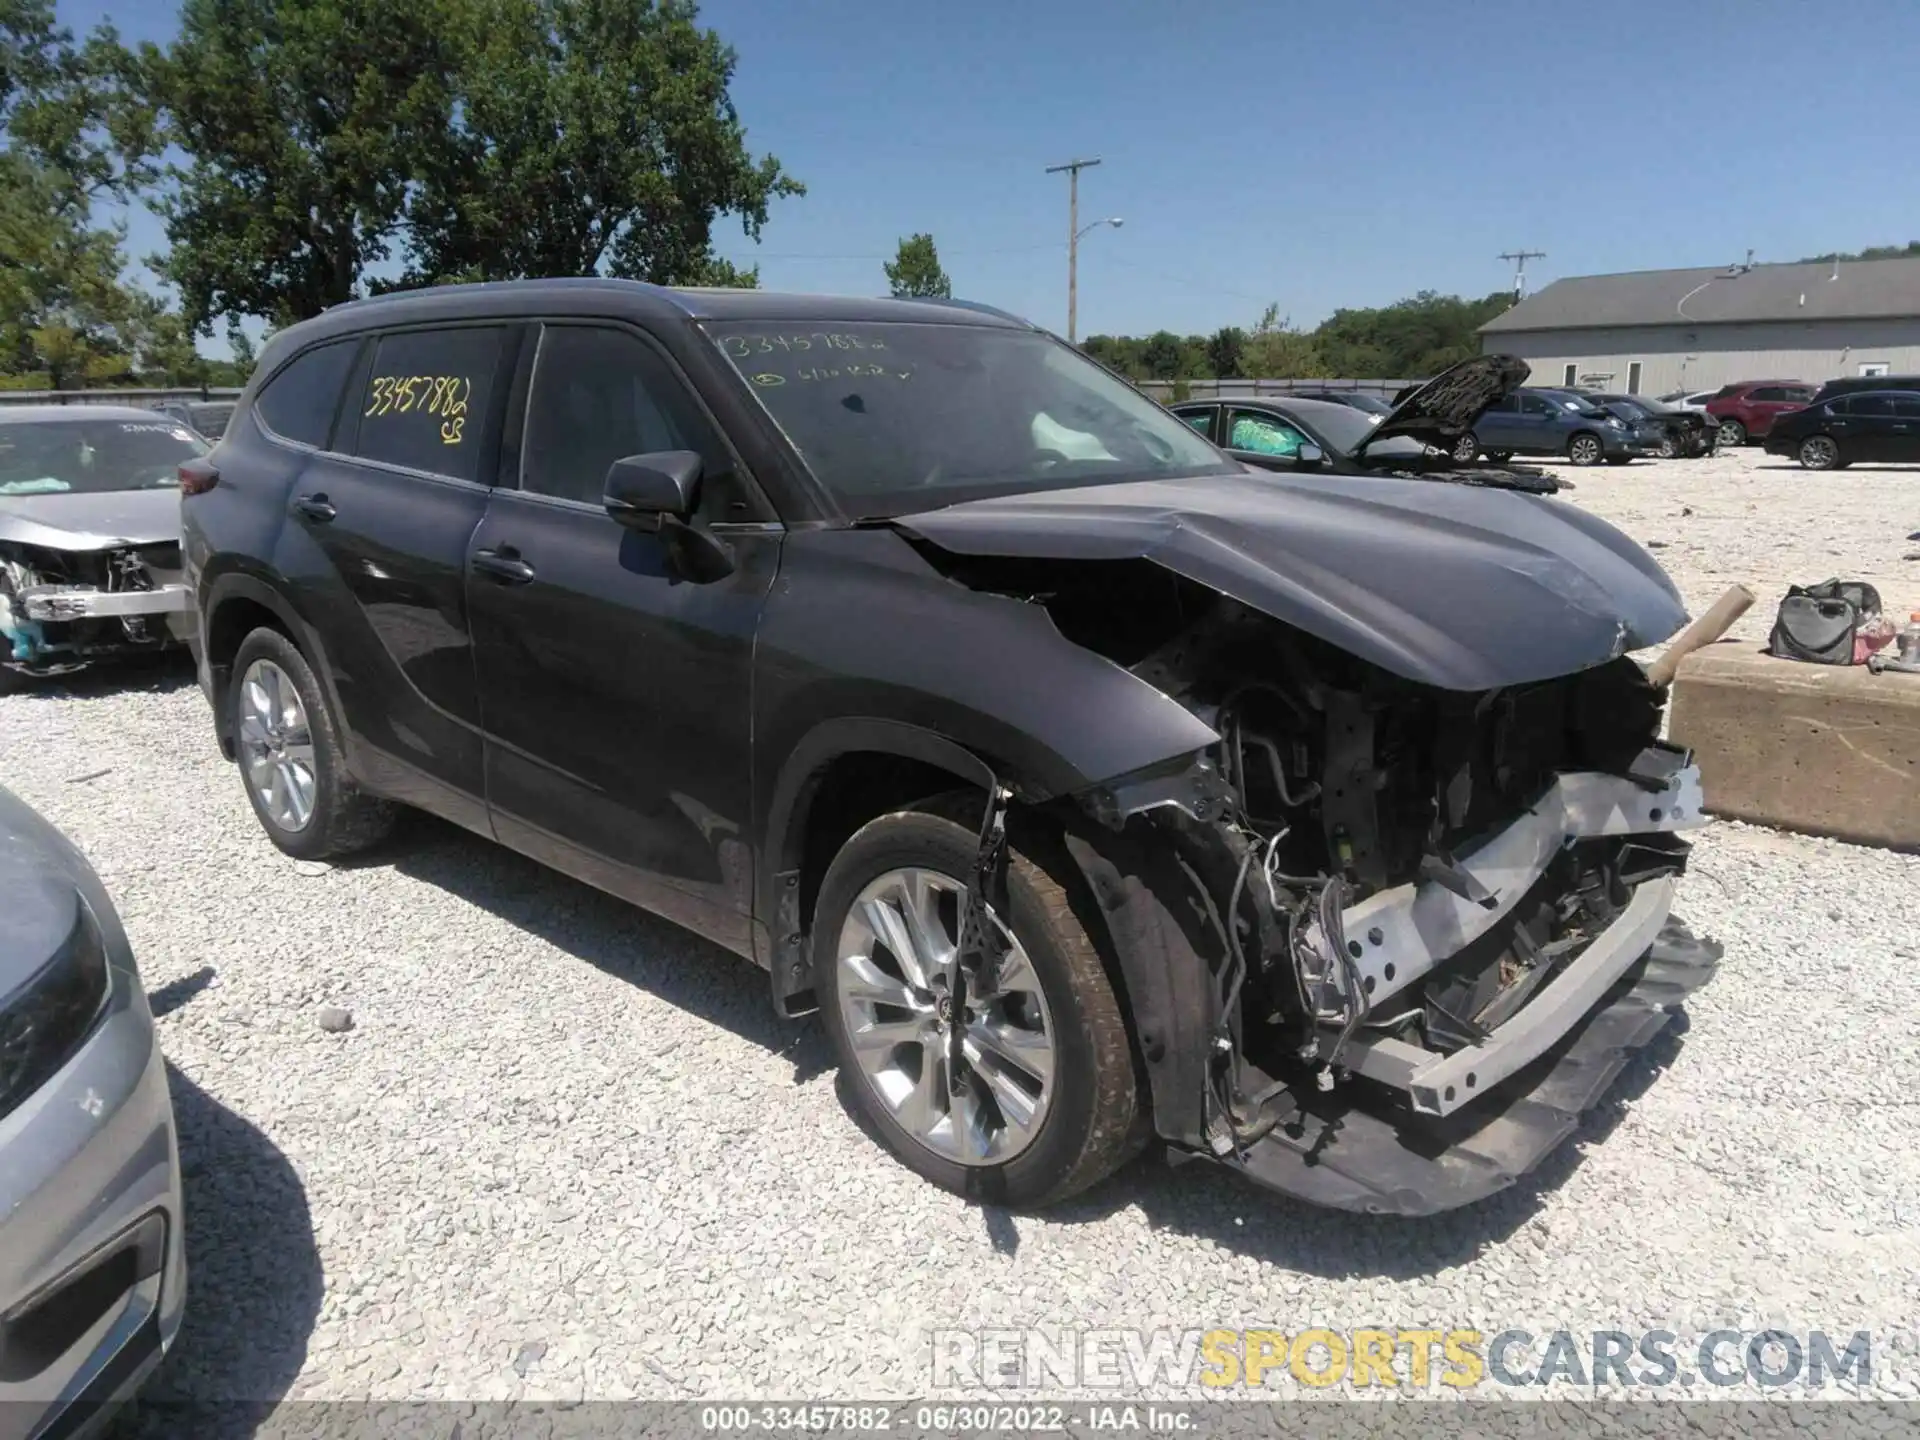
(615, 692)
(391, 513)
(1264, 439)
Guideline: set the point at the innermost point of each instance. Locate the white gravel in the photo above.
(564, 1150)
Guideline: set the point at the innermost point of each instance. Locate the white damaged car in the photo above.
(89, 536)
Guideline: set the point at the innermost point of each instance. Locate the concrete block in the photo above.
(1825, 749)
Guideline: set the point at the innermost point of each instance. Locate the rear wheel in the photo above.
(1045, 1103)
(1732, 434)
(1585, 449)
(290, 759)
(1819, 452)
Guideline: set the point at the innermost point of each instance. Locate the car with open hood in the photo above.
(89, 536)
(1093, 787)
(1415, 438)
(1679, 433)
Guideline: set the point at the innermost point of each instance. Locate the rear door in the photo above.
(1202, 417)
(616, 691)
(1903, 440)
(1870, 427)
(390, 511)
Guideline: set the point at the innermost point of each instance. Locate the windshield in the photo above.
(92, 456)
(1576, 403)
(1344, 427)
(1372, 404)
(1628, 409)
(897, 417)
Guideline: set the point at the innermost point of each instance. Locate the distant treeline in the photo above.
(1418, 336)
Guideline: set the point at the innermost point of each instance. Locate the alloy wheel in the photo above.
(1466, 449)
(276, 746)
(1585, 450)
(1818, 452)
(896, 956)
(1732, 433)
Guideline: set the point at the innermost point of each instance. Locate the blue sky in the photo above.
(1310, 154)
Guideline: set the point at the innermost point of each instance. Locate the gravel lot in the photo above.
(566, 1151)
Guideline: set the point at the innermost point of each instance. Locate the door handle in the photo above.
(315, 508)
(504, 565)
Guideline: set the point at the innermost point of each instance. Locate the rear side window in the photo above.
(300, 401)
(1767, 392)
(1870, 405)
(425, 402)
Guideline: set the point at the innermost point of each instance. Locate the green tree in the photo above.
(1872, 252)
(304, 124)
(586, 135)
(68, 139)
(915, 269)
(1225, 349)
(1277, 350)
(1419, 336)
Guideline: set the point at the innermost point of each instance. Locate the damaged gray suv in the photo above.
(1091, 785)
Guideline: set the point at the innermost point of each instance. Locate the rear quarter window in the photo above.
(424, 405)
(301, 400)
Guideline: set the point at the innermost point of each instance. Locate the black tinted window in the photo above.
(425, 402)
(1870, 405)
(299, 402)
(1768, 392)
(601, 394)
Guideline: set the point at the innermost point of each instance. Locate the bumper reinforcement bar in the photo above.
(79, 602)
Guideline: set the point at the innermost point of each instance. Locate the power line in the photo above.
(1520, 258)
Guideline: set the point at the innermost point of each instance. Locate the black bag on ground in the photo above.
(1817, 623)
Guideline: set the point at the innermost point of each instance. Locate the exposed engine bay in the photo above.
(1408, 899)
(63, 609)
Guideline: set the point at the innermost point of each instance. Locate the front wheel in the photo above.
(1044, 1104)
(290, 758)
(1585, 449)
(1732, 434)
(1466, 449)
(1819, 452)
(1499, 457)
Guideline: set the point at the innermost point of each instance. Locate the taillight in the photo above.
(197, 477)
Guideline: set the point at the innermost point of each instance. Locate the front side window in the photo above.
(1264, 435)
(599, 395)
(894, 417)
(425, 401)
(300, 401)
(1907, 407)
(1870, 405)
(93, 456)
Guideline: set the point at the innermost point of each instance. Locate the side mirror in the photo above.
(641, 489)
(1310, 454)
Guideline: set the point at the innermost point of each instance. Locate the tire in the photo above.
(1669, 448)
(1466, 449)
(1819, 452)
(1585, 449)
(1732, 435)
(272, 678)
(1499, 457)
(1083, 1117)
(1619, 459)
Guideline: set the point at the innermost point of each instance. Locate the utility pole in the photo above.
(1073, 169)
(1520, 258)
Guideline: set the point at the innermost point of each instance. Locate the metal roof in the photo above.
(1851, 290)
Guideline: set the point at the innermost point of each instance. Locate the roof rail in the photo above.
(973, 305)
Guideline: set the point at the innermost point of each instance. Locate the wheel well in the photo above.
(227, 628)
(849, 791)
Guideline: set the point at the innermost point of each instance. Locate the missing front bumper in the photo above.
(1330, 1152)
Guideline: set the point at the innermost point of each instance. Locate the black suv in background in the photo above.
(1832, 434)
(1859, 384)
(1091, 785)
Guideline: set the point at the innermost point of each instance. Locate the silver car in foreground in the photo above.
(92, 1252)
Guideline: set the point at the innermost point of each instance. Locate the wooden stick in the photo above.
(1704, 631)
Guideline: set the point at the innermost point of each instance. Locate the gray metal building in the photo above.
(1654, 331)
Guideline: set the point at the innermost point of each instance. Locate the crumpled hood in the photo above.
(91, 522)
(1455, 586)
